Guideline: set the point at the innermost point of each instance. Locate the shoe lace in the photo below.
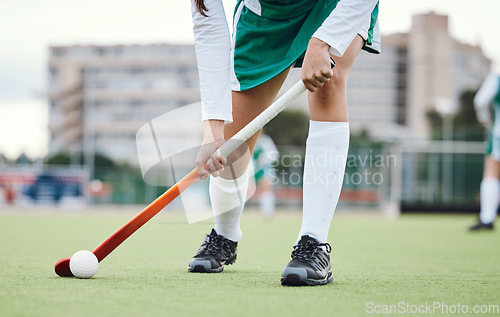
(306, 251)
(216, 245)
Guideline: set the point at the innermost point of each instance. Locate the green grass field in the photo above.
(415, 260)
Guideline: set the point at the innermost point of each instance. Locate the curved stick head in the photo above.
(62, 268)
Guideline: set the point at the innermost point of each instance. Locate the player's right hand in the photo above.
(316, 69)
(209, 161)
(484, 118)
(486, 123)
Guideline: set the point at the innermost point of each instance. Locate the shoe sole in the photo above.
(299, 278)
(204, 266)
(481, 229)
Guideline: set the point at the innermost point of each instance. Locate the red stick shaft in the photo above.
(120, 235)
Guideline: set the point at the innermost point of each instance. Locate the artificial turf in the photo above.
(410, 262)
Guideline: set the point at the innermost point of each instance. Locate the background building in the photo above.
(377, 91)
(437, 67)
(101, 95)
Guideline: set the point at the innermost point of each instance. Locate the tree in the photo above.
(467, 127)
(23, 159)
(3, 159)
(290, 127)
(63, 158)
(465, 124)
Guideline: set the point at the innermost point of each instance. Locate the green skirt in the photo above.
(267, 44)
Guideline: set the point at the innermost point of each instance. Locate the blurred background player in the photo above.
(265, 154)
(490, 185)
(269, 36)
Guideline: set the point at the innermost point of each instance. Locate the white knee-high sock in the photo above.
(228, 198)
(326, 156)
(267, 203)
(490, 196)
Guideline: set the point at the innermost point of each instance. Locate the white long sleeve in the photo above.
(485, 96)
(213, 46)
(342, 25)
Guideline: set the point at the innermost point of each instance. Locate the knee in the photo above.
(339, 78)
(336, 86)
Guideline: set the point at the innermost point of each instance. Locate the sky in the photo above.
(28, 27)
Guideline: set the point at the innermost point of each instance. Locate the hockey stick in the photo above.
(113, 241)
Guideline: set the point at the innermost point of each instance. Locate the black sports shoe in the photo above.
(310, 264)
(481, 226)
(214, 252)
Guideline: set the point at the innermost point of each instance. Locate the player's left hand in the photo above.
(316, 69)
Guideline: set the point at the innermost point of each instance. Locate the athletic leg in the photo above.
(490, 194)
(326, 154)
(228, 191)
(328, 141)
(246, 106)
(267, 200)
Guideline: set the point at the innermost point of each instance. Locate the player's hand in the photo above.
(486, 123)
(484, 118)
(316, 69)
(209, 161)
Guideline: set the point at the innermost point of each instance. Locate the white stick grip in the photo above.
(262, 119)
